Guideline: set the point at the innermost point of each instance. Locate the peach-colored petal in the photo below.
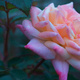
(73, 51)
(38, 47)
(34, 11)
(77, 41)
(24, 32)
(56, 17)
(72, 44)
(61, 68)
(45, 26)
(75, 63)
(44, 15)
(52, 36)
(76, 25)
(58, 49)
(65, 31)
(29, 28)
(69, 9)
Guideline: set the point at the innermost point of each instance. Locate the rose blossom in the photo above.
(54, 34)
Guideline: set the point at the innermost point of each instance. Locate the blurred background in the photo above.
(21, 60)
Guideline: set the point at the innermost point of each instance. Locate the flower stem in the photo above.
(36, 67)
(6, 36)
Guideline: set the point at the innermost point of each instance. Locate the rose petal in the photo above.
(65, 31)
(51, 36)
(73, 51)
(75, 63)
(24, 32)
(69, 5)
(44, 15)
(45, 26)
(34, 11)
(56, 17)
(61, 68)
(30, 29)
(58, 49)
(36, 46)
(76, 25)
(72, 44)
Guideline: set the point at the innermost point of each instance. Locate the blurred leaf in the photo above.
(16, 18)
(2, 3)
(10, 6)
(2, 8)
(18, 74)
(7, 77)
(23, 5)
(14, 61)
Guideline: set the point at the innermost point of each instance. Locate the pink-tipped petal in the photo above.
(24, 32)
(34, 11)
(58, 49)
(30, 29)
(36, 46)
(51, 35)
(61, 67)
(75, 63)
(73, 51)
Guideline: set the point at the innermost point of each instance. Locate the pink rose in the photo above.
(54, 34)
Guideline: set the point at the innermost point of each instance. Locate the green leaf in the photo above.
(14, 61)
(18, 74)
(6, 77)
(16, 18)
(2, 8)
(23, 5)
(10, 6)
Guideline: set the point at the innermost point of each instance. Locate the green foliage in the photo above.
(18, 74)
(23, 5)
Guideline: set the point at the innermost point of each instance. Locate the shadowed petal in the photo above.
(28, 28)
(75, 63)
(58, 49)
(73, 51)
(40, 49)
(51, 36)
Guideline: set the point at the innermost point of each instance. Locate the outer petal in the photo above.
(73, 51)
(34, 11)
(24, 32)
(61, 68)
(51, 35)
(58, 49)
(38, 47)
(75, 63)
(28, 28)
